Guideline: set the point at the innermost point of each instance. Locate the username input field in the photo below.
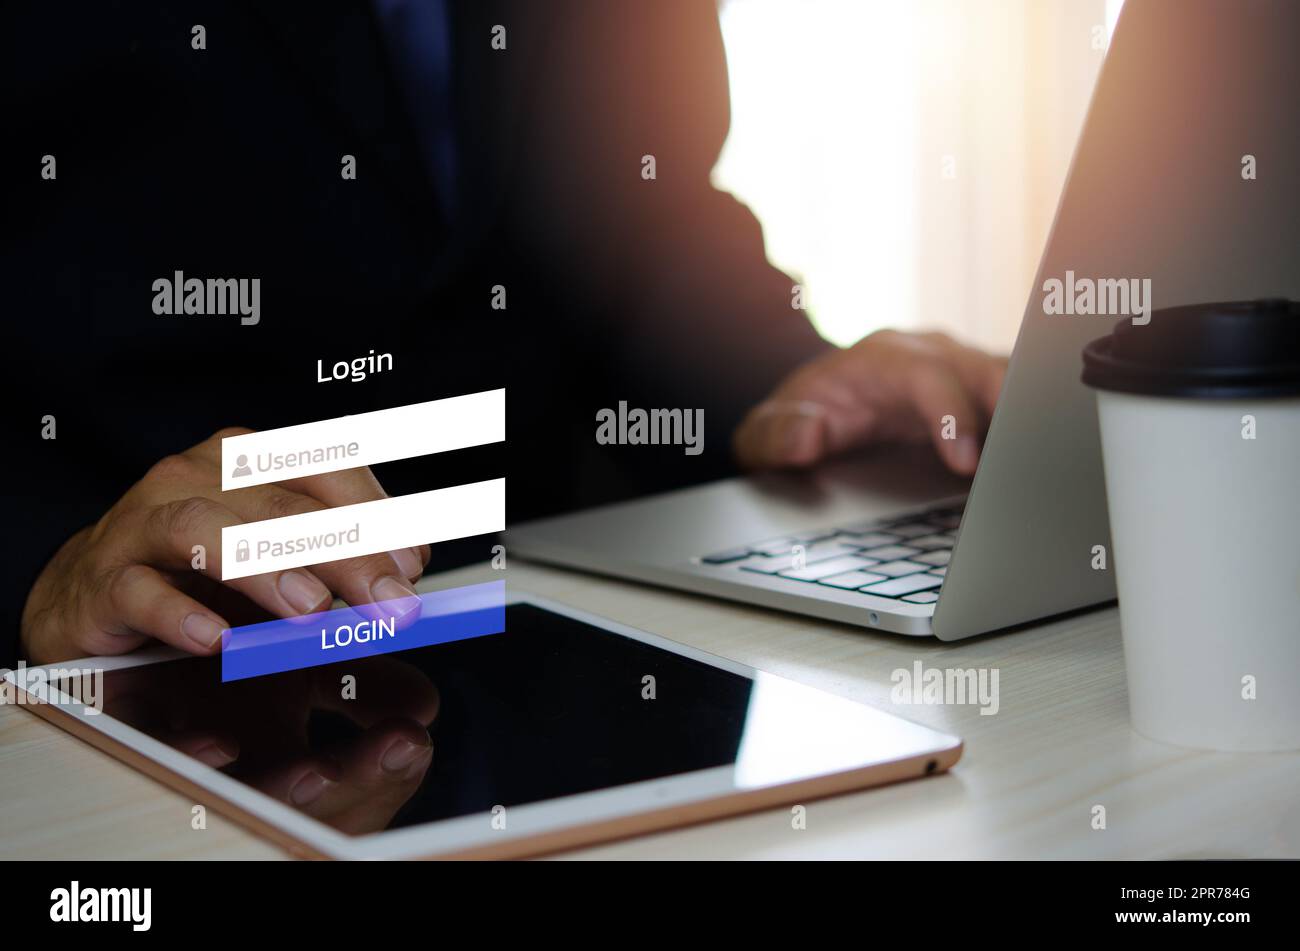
(364, 439)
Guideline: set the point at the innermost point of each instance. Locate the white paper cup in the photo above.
(1203, 485)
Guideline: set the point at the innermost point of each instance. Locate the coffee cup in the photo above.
(1199, 411)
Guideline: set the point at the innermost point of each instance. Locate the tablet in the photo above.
(564, 729)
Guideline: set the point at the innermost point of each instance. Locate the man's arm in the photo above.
(626, 121)
(630, 113)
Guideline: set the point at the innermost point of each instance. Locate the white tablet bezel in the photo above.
(537, 827)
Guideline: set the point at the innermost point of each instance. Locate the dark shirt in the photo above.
(417, 37)
(225, 163)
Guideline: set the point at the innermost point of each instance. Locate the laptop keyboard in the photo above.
(903, 557)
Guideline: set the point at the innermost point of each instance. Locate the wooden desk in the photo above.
(1025, 788)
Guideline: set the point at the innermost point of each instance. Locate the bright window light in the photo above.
(821, 146)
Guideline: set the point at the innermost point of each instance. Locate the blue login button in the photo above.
(364, 631)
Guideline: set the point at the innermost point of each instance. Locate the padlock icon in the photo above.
(241, 551)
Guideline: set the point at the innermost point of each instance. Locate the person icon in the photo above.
(241, 467)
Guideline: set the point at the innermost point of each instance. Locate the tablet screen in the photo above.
(551, 707)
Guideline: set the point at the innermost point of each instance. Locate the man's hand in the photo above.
(130, 578)
(353, 777)
(890, 386)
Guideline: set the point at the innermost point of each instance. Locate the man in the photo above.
(463, 185)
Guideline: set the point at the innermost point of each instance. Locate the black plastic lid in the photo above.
(1214, 351)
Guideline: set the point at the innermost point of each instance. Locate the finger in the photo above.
(981, 373)
(935, 393)
(166, 535)
(139, 598)
(351, 487)
(780, 432)
(301, 783)
(386, 688)
(380, 771)
(373, 588)
(366, 579)
(387, 752)
(211, 749)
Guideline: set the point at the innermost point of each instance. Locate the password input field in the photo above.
(367, 528)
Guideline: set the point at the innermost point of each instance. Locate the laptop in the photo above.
(1195, 97)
